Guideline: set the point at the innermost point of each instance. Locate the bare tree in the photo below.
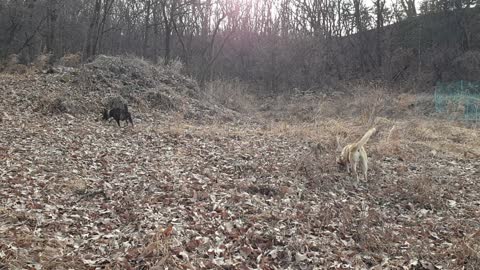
(100, 13)
(409, 8)
(278, 43)
(148, 11)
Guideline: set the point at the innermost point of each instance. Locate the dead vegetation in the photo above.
(262, 191)
(85, 89)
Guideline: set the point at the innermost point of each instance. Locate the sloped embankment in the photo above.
(82, 91)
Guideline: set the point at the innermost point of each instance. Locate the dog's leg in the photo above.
(130, 119)
(365, 168)
(354, 169)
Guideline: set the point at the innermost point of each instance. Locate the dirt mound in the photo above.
(132, 78)
(88, 89)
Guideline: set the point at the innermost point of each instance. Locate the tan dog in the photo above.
(354, 153)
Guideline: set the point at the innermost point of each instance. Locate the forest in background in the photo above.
(240, 111)
(275, 44)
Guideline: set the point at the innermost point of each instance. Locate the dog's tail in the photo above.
(363, 140)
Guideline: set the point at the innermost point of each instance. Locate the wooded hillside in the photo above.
(279, 43)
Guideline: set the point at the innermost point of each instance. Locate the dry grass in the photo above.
(232, 94)
(275, 177)
(402, 120)
(468, 251)
(71, 60)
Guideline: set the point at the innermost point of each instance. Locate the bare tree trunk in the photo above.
(209, 54)
(107, 6)
(147, 26)
(92, 30)
(361, 40)
(168, 17)
(31, 39)
(52, 22)
(168, 35)
(156, 32)
(379, 8)
(206, 18)
(357, 15)
(409, 8)
(96, 27)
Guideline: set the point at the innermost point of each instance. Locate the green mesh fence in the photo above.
(458, 100)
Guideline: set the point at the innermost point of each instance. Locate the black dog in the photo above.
(118, 114)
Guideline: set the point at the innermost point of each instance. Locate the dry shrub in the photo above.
(468, 65)
(307, 108)
(304, 108)
(440, 135)
(57, 106)
(395, 136)
(318, 166)
(59, 101)
(107, 69)
(362, 101)
(424, 104)
(52, 105)
(390, 143)
(467, 251)
(12, 257)
(42, 61)
(369, 102)
(455, 109)
(423, 131)
(157, 253)
(405, 100)
(163, 102)
(421, 191)
(370, 233)
(13, 59)
(401, 59)
(383, 123)
(76, 185)
(325, 107)
(12, 65)
(71, 60)
(149, 87)
(443, 129)
(175, 66)
(232, 94)
(16, 69)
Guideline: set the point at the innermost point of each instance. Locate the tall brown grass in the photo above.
(232, 94)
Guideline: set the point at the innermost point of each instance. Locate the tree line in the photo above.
(278, 44)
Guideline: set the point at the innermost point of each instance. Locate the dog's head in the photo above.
(105, 114)
(340, 161)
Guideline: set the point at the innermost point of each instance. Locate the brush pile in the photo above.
(88, 89)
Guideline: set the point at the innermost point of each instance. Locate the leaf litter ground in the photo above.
(81, 194)
(184, 189)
